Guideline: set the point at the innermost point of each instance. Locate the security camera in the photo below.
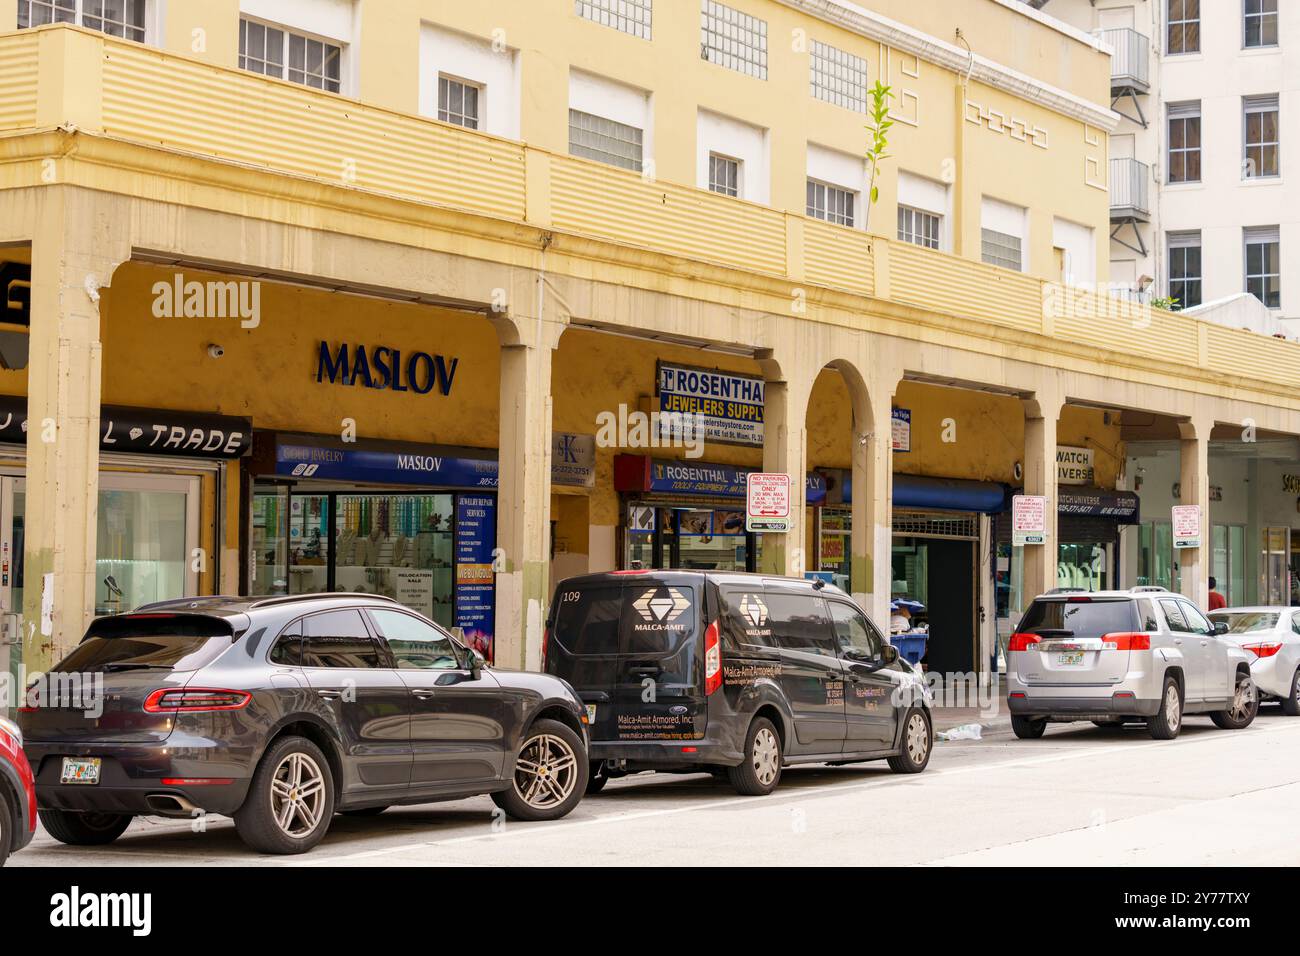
(215, 351)
(1019, 471)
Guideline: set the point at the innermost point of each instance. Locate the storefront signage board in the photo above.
(148, 431)
(476, 534)
(721, 481)
(1074, 466)
(728, 406)
(1187, 526)
(901, 428)
(767, 502)
(1028, 520)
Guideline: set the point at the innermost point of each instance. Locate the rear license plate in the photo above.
(80, 770)
(1071, 659)
(591, 713)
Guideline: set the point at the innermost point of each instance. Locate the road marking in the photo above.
(778, 798)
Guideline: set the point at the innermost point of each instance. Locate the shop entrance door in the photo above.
(13, 499)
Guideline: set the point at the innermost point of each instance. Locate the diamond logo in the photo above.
(753, 609)
(661, 605)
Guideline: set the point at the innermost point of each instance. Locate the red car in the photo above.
(17, 792)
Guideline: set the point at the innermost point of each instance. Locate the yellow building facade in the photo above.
(211, 248)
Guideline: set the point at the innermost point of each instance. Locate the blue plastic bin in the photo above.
(911, 647)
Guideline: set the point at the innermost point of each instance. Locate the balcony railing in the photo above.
(1131, 63)
(145, 97)
(1130, 186)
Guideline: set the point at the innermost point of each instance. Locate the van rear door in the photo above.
(633, 652)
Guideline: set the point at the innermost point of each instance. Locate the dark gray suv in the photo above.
(283, 711)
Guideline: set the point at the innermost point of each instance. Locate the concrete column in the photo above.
(873, 504)
(1041, 414)
(524, 491)
(785, 449)
(1194, 481)
(80, 239)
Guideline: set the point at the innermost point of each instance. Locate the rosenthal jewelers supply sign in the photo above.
(1187, 526)
(767, 502)
(728, 407)
(1028, 520)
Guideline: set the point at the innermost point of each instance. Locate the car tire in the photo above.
(1245, 705)
(290, 802)
(363, 812)
(1026, 728)
(6, 825)
(918, 743)
(1168, 720)
(550, 774)
(1291, 704)
(84, 829)
(760, 771)
(596, 776)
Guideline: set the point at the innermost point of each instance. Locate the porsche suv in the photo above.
(283, 711)
(1111, 657)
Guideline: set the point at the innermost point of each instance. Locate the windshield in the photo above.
(1080, 618)
(1248, 622)
(170, 643)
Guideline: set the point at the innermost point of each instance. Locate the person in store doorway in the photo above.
(1217, 600)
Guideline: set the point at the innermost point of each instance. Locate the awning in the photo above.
(940, 494)
(1122, 506)
(642, 474)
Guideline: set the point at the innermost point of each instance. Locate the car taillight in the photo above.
(1124, 641)
(174, 700)
(1022, 641)
(712, 659)
(1263, 650)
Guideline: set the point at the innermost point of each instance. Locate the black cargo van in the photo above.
(737, 673)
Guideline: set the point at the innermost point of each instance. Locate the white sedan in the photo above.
(1272, 635)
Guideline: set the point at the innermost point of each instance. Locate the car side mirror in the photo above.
(476, 662)
(889, 653)
(1220, 627)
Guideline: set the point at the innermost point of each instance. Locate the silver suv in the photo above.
(1117, 656)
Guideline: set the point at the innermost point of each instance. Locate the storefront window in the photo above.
(702, 539)
(1155, 564)
(1083, 566)
(834, 546)
(308, 544)
(910, 577)
(142, 548)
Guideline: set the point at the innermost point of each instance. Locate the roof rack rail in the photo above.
(292, 598)
(175, 602)
(1143, 588)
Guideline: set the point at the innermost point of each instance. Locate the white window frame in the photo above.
(289, 33)
(1001, 221)
(445, 114)
(824, 212)
(1263, 16)
(633, 17)
(1262, 235)
(1184, 111)
(1189, 239)
(587, 151)
(77, 9)
(1259, 106)
(909, 217)
(1170, 23)
(731, 185)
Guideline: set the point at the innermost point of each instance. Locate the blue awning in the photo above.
(942, 494)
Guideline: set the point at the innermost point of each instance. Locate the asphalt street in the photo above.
(1080, 796)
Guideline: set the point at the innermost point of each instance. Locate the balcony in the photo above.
(1130, 188)
(137, 112)
(1130, 65)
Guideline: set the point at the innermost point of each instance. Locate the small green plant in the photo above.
(1166, 302)
(878, 151)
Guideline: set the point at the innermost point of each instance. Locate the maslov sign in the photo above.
(148, 431)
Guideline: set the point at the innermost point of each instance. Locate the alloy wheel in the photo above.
(1242, 699)
(918, 738)
(546, 771)
(767, 756)
(1173, 708)
(298, 795)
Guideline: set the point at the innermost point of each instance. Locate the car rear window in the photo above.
(1090, 618)
(587, 618)
(1247, 622)
(177, 643)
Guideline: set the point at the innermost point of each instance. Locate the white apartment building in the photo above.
(1204, 176)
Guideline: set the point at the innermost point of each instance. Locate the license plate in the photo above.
(80, 770)
(591, 713)
(1071, 659)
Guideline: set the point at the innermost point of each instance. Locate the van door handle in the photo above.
(330, 694)
(422, 693)
(644, 668)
